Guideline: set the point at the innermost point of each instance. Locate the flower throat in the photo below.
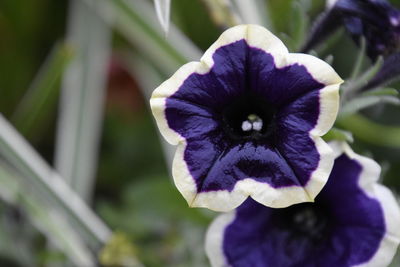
(248, 117)
(306, 220)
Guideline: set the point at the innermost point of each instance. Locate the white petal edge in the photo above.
(320, 70)
(165, 90)
(255, 35)
(214, 239)
(390, 242)
(328, 109)
(259, 37)
(367, 181)
(329, 95)
(391, 210)
(224, 201)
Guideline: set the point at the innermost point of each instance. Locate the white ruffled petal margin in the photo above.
(328, 96)
(367, 181)
(165, 90)
(391, 210)
(259, 37)
(254, 35)
(215, 239)
(224, 201)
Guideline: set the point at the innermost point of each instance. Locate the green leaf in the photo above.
(360, 59)
(42, 95)
(37, 173)
(366, 101)
(352, 86)
(82, 99)
(338, 134)
(383, 91)
(369, 74)
(288, 41)
(396, 260)
(300, 22)
(45, 216)
(370, 131)
(163, 8)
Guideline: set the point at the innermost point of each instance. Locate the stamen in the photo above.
(248, 117)
(253, 122)
(246, 126)
(257, 125)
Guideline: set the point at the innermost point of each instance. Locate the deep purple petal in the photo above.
(279, 86)
(215, 168)
(214, 159)
(295, 145)
(352, 229)
(375, 20)
(191, 119)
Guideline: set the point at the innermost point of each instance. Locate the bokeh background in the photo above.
(75, 80)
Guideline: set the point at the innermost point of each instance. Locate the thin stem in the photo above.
(371, 132)
(360, 59)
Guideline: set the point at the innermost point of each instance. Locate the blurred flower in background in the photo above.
(375, 20)
(374, 25)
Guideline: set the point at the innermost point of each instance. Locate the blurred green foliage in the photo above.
(134, 192)
(28, 30)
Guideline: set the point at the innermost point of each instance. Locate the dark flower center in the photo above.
(308, 220)
(248, 117)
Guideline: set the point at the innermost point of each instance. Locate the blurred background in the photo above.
(75, 82)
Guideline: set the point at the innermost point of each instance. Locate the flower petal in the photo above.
(329, 95)
(221, 178)
(166, 89)
(361, 220)
(309, 156)
(217, 168)
(255, 36)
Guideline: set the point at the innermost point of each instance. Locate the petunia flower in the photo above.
(353, 222)
(247, 120)
(375, 20)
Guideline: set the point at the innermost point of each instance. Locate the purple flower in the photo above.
(247, 120)
(353, 222)
(375, 20)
